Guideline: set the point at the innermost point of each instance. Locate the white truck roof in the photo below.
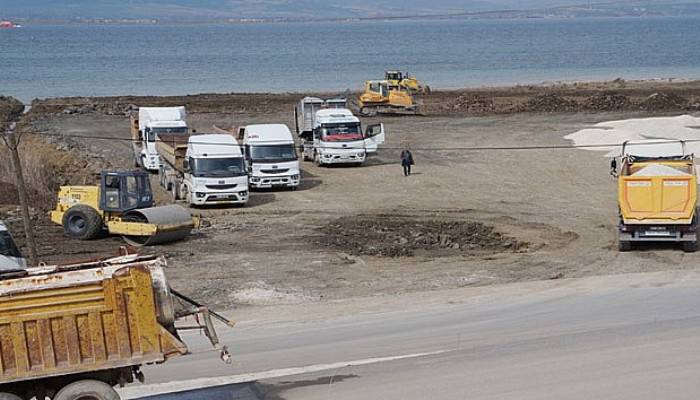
(268, 134)
(151, 115)
(335, 115)
(163, 113)
(214, 145)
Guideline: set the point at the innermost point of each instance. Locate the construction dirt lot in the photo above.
(464, 218)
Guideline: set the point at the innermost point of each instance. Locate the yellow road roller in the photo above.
(122, 204)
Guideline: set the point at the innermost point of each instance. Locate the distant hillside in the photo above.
(193, 10)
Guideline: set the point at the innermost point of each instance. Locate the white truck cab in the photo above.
(271, 156)
(338, 138)
(151, 122)
(10, 257)
(214, 171)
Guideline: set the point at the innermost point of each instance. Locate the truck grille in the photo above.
(221, 187)
(274, 171)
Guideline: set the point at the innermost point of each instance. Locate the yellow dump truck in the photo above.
(75, 331)
(657, 194)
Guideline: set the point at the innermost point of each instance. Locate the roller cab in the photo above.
(121, 205)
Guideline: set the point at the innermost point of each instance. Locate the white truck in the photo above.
(271, 156)
(10, 257)
(203, 169)
(147, 125)
(333, 135)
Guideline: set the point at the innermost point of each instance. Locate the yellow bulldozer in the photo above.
(381, 98)
(405, 80)
(122, 204)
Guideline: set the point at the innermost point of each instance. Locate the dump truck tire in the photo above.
(82, 222)
(9, 396)
(690, 247)
(624, 246)
(87, 389)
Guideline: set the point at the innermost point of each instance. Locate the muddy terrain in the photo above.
(464, 218)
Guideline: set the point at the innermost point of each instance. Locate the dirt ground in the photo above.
(464, 218)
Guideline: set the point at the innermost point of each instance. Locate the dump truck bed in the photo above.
(658, 192)
(74, 320)
(172, 149)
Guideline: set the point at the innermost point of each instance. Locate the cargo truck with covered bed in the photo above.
(76, 331)
(657, 194)
(204, 169)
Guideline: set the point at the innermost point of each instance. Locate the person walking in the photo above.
(406, 161)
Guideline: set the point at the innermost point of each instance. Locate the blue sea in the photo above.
(89, 60)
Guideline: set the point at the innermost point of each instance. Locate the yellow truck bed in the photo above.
(657, 201)
(99, 321)
(79, 321)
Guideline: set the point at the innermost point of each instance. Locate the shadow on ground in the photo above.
(251, 390)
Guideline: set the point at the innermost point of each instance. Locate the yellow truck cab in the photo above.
(657, 194)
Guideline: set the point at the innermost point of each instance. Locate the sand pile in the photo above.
(684, 127)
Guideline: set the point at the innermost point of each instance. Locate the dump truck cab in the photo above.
(338, 138)
(147, 125)
(11, 259)
(270, 153)
(657, 194)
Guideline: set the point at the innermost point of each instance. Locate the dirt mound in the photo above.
(473, 104)
(607, 102)
(549, 102)
(396, 236)
(661, 101)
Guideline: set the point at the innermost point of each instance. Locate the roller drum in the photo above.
(173, 223)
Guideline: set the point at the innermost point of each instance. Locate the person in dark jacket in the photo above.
(406, 161)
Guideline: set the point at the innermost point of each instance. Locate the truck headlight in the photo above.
(295, 177)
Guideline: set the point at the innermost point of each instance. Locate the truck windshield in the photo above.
(217, 167)
(154, 132)
(341, 132)
(273, 153)
(7, 246)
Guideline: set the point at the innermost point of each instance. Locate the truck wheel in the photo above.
(87, 390)
(624, 246)
(690, 247)
(82, 222)
(9, 396)
(175, 191)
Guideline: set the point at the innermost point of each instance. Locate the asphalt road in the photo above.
(621, 337)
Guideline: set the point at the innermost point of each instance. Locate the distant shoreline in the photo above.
(488, 16)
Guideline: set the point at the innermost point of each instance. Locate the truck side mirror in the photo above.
(186, 165)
